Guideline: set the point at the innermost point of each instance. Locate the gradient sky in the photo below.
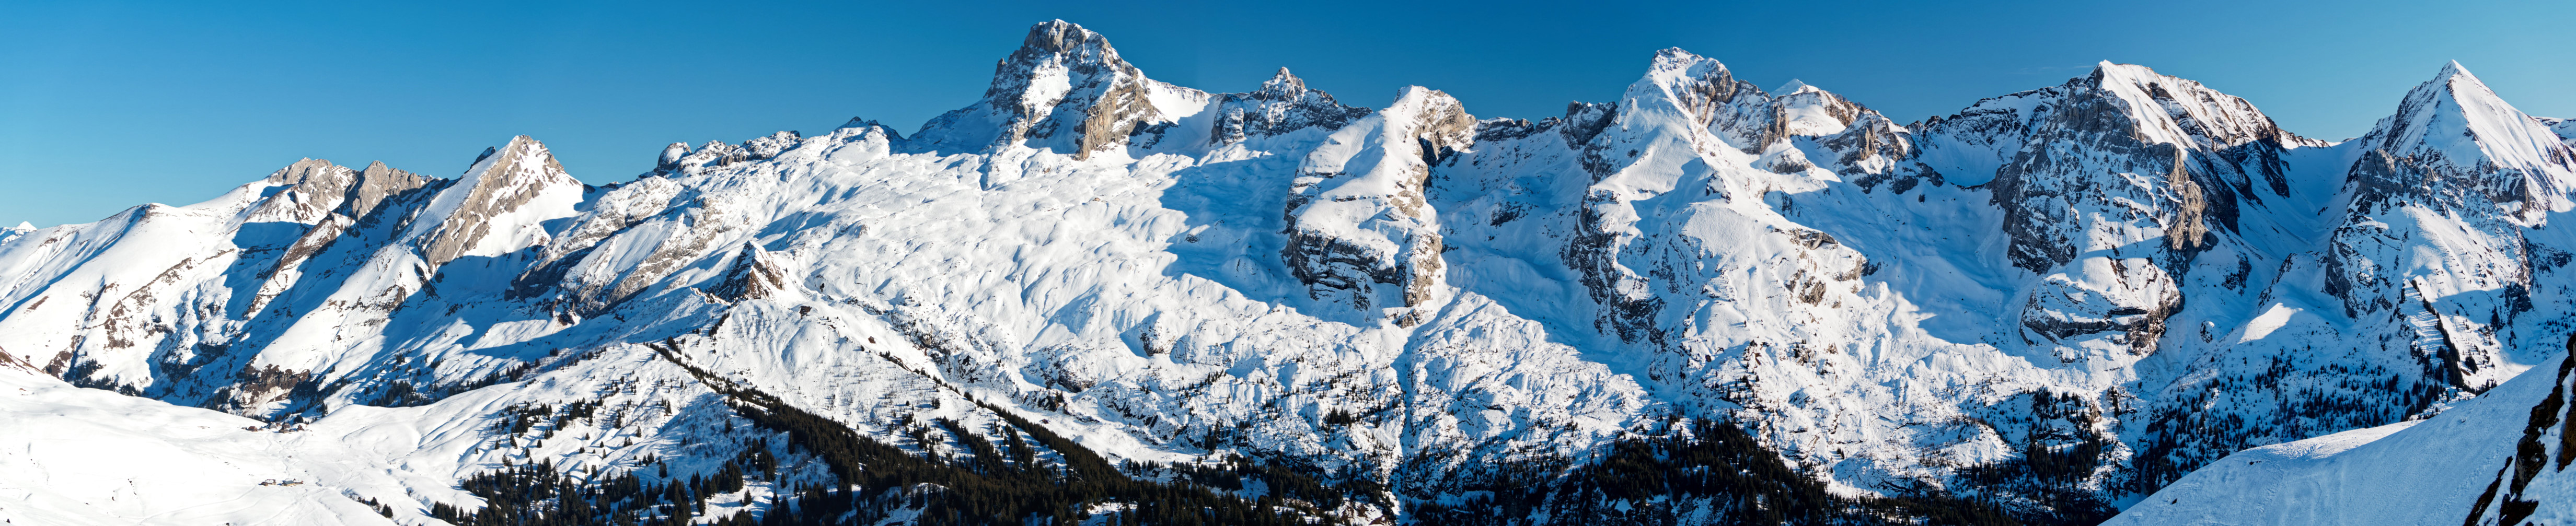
(106, 105)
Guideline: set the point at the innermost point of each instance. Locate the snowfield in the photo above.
(2126, 294)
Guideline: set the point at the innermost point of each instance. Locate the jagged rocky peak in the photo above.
(753, 275)
(1857, 141)
(2122, 103)
(1069, 45)
(1436, 120)
(2194, 155)
(1362, 232)
(1281, 85)
(1742, 115)
(2456, 150)
(2455, 126)
(376, 184)
(712, 155)
(1811, 111)
(316, 189)
(1700, 87)
(678, 159)
(301, 170)
(1065, 89)
(1392, 149)
(669, 162)
(773, 144)
(496, 206)
(2110, 184)
(313, 188)
(2176, 110)
(1283, 104)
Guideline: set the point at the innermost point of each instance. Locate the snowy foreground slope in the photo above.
(2450, 469)
(1096, 297)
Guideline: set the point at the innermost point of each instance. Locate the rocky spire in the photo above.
(1057, 43)
(1283, 104)
(315, 188)
(752, 276)
(2453, 142)
(2455, 124)
(1282, 84)
(1064, 89)
(499, 188)
(376, 184)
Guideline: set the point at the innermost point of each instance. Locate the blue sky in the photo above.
(105, 105)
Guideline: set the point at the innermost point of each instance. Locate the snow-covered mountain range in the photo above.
(1702, 302)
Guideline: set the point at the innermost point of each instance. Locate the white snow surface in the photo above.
(2129, 263)
(84, 456)
(2426, 472)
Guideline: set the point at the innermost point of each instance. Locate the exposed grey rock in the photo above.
(751, 276)
(2566, 129)
(499, 185)
(1065, 89)
(1358, 216)
(1282, 105)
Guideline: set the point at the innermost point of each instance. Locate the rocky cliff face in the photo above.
(2043, 307)
(1359, 212)
(1064, 89)
(2477, 176)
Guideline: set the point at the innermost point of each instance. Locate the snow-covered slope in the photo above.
(2046, 306)
(2463, 466)
(83, 456)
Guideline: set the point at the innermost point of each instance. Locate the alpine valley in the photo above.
(1096, 298)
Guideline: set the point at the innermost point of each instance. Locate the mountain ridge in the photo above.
(2051, 304)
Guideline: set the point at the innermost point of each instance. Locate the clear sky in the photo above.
(105, 105)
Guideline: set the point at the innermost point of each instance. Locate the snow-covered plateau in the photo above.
(1096, 298)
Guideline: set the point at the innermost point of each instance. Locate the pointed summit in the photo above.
(1283, 104)
(2459, 117)
(753, 275)
(312, 189)
(2454, 136)
(376, 184)
(513, 185)
(2465, 88)
(1065, 89)
(2108, 73)
(1285, 86)
(1694, 92)
(2452, 68)
(1056, 47)
(2175, 110)
(1676, 62)
(1689, 81)
(1068, 39)
(1794, 86)
(523, 157)
(1283, 83)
